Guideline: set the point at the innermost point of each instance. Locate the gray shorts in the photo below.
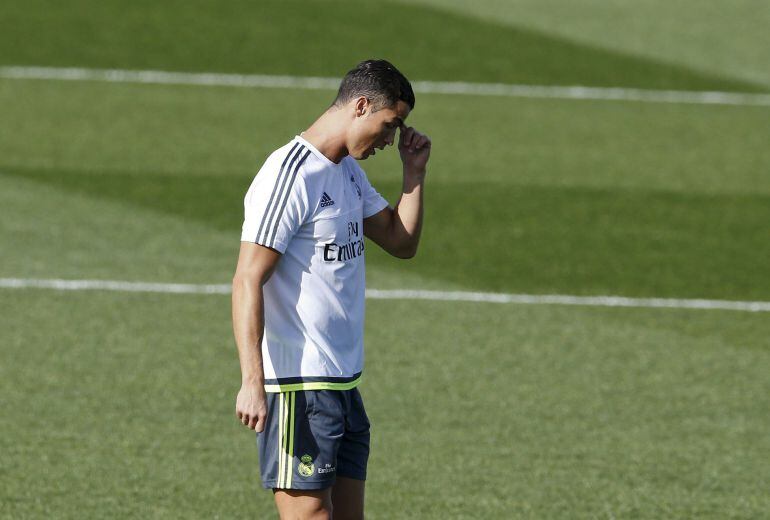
(311, 436)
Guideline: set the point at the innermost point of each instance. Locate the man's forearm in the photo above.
(248, 327)
(407, 215)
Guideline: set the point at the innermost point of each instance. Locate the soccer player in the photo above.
(298, 291)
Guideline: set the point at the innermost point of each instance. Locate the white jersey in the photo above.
(311, 210)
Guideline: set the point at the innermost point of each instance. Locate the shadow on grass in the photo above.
(326, 39)
(522, 238)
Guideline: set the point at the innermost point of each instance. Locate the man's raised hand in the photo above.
(414, 148)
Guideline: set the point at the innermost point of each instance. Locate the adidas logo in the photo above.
(326, 200)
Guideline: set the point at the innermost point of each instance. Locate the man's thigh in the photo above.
(296, 504)
(347, 496)
(345, 499)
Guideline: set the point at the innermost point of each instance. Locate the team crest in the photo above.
(306, 466)
(358, 189)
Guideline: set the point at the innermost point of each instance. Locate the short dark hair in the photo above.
(379, 81)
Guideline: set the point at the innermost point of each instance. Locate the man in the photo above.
(298, 291)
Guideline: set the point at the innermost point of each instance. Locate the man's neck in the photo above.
(327, 137)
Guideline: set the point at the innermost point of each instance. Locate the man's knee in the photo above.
(295, 504)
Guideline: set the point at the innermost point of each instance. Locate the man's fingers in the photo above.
(411, 141)
(260, 425)
(418, 141)
(257, 422)
(253, 422)
(406, 136)
(251, 410)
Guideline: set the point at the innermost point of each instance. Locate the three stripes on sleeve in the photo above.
(270, 221)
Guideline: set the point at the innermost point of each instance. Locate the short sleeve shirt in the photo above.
(311, 210)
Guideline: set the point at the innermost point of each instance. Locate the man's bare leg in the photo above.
(300, 504)
(348, 498)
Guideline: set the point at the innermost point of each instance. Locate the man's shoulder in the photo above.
(281, 155)
(291, 160)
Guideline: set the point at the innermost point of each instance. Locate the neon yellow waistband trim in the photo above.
(318, 385)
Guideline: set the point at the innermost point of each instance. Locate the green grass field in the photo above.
(122, 404)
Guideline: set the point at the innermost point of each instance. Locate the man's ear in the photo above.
(361, 106)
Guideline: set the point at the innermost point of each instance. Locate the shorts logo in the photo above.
(306, 466)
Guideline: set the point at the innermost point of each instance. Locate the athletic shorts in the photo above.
(311, 436)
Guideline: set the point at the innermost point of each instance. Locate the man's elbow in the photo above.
(405, 252)
(240, 283)
(249, 279)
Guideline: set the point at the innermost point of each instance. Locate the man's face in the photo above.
(376, 129)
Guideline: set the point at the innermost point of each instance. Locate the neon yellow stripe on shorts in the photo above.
(280, 439)
(290, 453)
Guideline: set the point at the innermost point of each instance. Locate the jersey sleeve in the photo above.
(276, 204)
(373, 201)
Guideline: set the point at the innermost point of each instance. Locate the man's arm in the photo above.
(397, 230)
(255, 265)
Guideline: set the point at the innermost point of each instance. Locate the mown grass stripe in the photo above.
(405, 294)
(424, 87)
